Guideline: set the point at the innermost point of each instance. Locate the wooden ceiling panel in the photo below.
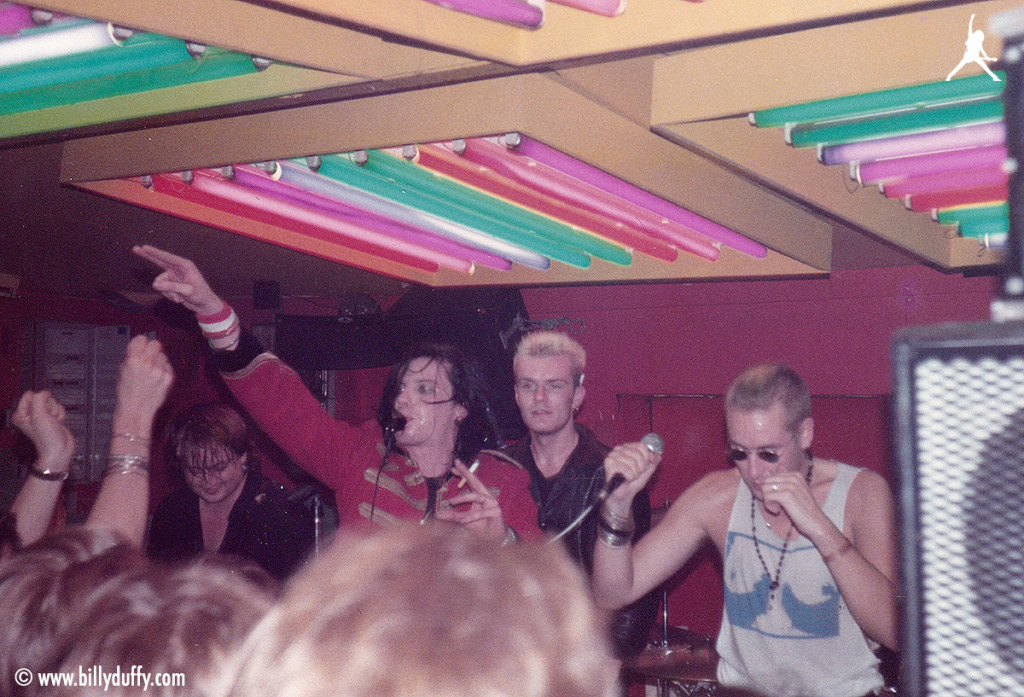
(657, 97)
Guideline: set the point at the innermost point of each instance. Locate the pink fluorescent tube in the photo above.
(958, 197)
(469, 171)
(553, 182)
(897, 168)
(235, 193)
(14, 18)
(600, 179)
(606, 8)
(947, 181)
(916, 144)
(284, 231)
(520, 14)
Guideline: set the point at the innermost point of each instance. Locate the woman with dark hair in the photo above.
(424, 456)
(226, 505)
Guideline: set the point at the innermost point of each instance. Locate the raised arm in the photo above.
(142, 386)
(41, 418)
(182, 283)
(614, 573)
(271, 392)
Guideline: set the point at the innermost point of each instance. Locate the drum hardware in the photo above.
(682, 662)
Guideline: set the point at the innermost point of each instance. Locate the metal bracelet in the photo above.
(47, 475)
(127, 464)
(605, 524)
(615, 520)
(614, 538)
(131, 437)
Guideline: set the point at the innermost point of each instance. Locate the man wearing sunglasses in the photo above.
(807, 546)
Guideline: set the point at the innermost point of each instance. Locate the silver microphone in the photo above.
(654, 443)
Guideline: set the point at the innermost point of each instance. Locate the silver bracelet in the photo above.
(615, 520)
(127, 464)
(614, 538)
(47, 475)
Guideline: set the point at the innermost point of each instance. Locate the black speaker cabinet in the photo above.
(959, 434)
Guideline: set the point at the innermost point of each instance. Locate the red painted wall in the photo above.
(694, 338)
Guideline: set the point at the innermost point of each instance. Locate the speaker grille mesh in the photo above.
(970, 471)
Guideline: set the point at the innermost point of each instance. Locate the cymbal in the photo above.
(677, 662)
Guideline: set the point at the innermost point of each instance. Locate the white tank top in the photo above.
(805, 642)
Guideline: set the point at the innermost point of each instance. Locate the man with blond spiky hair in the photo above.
(564, 460)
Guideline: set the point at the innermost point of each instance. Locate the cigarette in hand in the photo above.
(472, 468)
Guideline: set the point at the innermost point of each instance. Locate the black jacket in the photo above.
(263, 527)
(562, 498)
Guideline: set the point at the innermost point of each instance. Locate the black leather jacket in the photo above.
(562, 498)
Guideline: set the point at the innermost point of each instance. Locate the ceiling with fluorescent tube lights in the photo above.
(658, 96)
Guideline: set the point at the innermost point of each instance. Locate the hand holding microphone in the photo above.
(620, 454)
(635, 463)
(652, 441)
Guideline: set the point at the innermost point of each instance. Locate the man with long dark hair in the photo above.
(414, 462)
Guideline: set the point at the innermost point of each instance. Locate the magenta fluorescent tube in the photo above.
(553, 182)
(644, 199)
(521, 14)
(236, 193)
(606, 8)
(14, 18)
(885, 171)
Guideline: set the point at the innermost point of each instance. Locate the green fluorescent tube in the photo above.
(405, 172)
(213, 65)
(877, 103)
(967, 214)
(982, 228)
(138, 52)
(343, 170)
(932, 119)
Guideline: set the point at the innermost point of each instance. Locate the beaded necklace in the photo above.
(773, 585)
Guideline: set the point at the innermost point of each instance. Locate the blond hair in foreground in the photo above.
(429, 611)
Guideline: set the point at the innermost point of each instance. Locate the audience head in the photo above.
(760, 387)
(429, 611)
(212, 446)
(46, 588)
(176, 622)
(459, 382)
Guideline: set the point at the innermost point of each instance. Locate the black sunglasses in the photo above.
(738, 454)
